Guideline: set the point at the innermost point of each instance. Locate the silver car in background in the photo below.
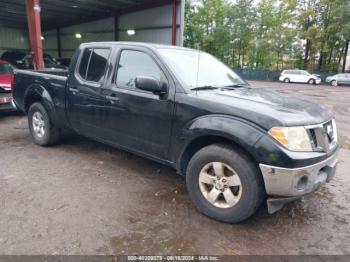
(339, 79)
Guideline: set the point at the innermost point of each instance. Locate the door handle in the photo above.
(74, 90)
(112, 98)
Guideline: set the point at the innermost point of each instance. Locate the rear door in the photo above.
(140, 120)
(84, 97)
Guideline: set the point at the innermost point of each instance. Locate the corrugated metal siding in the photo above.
(50, 43)
(155, 17)
(159, 16)
(94, 26)
(103, 30)
(11, 38)
(154, 26)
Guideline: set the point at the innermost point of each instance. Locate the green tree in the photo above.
(242, 25)
(270, 34)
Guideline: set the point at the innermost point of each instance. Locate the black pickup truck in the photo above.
(237, 145)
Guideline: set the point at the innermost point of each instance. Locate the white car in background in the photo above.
(299, 76)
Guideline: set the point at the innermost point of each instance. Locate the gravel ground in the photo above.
(82, 197)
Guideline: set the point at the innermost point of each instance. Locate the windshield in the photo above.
(199, 69)
(6, 69)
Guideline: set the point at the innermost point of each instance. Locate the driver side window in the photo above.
(133, 64)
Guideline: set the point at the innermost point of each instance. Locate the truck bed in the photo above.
(57, 72)
(38, 84)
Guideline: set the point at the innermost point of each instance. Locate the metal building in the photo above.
(67, 23)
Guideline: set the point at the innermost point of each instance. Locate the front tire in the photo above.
(287, 80)
(41, 129)
(311, 82)
(224, 183)
(334, 83)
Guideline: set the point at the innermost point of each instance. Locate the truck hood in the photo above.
(267, 108)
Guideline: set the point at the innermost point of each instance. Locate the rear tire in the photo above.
(41, 129)
(218, 199)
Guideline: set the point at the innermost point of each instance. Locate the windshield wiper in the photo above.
(234, 86)
(204, 88)
(210, 87)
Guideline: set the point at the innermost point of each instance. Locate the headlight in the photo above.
(293, 138)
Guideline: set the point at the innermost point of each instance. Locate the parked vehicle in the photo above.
(63, 61)
(299, 76)
(181, 107)
(6, 83)
(339, 79)
(22, 60)
(49, 61)
(15, 58)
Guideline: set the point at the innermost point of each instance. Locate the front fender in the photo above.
(239, 131)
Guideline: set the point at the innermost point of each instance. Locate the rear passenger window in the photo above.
(133, 64)
(93, 64)
(97, 65)
(84, 62)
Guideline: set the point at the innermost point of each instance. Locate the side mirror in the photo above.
(149, 84)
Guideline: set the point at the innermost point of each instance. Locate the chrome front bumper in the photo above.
(285, 185)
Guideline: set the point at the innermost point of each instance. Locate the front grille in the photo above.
(313, 138)
(5, 95)
(323, 137)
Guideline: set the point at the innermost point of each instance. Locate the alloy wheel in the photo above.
(38, 124)
(220, 185)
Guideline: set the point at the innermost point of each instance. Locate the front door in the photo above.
(140, 120)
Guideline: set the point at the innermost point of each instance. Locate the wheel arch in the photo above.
(37, 93)
(197, 144)
(215, 129)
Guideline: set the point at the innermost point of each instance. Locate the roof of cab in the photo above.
(141, 44)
